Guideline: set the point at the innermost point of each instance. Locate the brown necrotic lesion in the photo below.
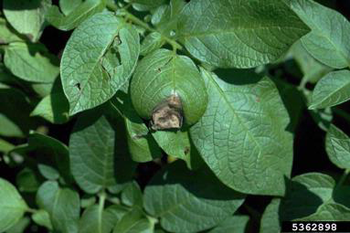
(168, 114)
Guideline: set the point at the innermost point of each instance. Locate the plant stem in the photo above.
(134, 19)
(343, 178)
(32, 211)
(101, 206)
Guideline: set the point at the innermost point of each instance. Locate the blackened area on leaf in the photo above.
(168, 114)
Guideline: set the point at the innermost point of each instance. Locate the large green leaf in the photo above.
(247, 145)
(76, 15)
(62, 204)
(338, 147)
(95, 154)
(328, 39)
(84, 75)
(331, 90)
(12, 205)
(134, 222)
(234, 224)
(242, 34)
(98, 220)
(189, 201)
(31, 62)
(7, 33)
(27, 17)
(163, 74)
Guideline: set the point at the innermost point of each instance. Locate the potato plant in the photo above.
(141, 116)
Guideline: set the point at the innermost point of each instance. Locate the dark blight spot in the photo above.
(168, 115)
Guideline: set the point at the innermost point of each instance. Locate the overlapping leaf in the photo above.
(31, 62)
(331, 90)
(11, 204)
(338, 147)
(242, 136)
(76, 14)
(189, 201)
(241, 34)
(90, 78)
(27, 17)
(328, 40)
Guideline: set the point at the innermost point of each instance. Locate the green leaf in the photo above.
(85, 79)
(53, 108)
(31, 62)
(62, 204)
(163, 74)
(307, 192)
(142, 146)
(52, 150)
(11, 204)
(338, 147)
(174, 143)
(12, 123)
(98, 220)
(7, 33)
(76, 15)
(9, 128)
(27, 17)
(234, 224)
(146, 5)
(87, 201)
(27, 181)
(329, 212)
(328, 39)
(247, 145)
(134, 222)
(20, 226)
(270, 221)
(93, 153)
(190, 201)
(5, 146)
(132, 195)
(239, 34)
(67, 6)
(152, 42)
(165, 18)
(42, 218)
(331, 90)
(48, 172)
